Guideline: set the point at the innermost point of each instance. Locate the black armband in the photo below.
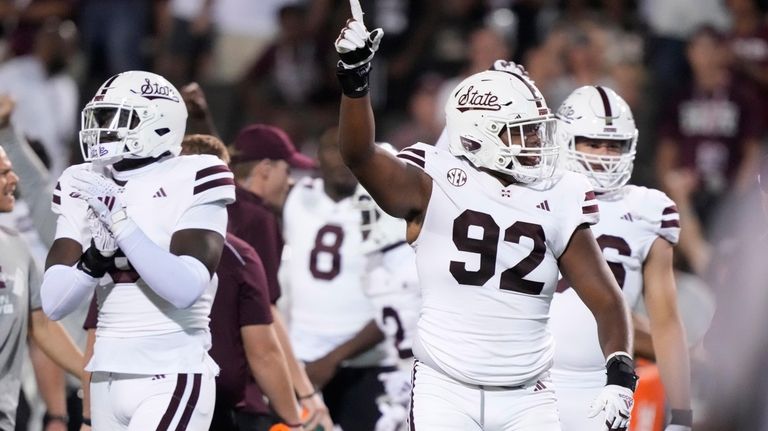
(621, 371)
(681, 417)
(93, 263)
(354, 82)
(48, 418)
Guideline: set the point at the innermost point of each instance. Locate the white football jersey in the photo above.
(138, 331)
(487, 262)
(391, 281)
(324, 274)
(631, 219)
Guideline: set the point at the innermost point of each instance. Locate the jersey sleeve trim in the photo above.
(211, 177)
(57, 194)
(590, 204)
(670, 218)
(413, 156)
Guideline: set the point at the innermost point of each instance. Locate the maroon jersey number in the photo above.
(620, 245)
(512, 279)
(328, 241)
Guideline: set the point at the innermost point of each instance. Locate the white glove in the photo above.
(356, 45)
(672, 427)
(103, 239)
(616, 401)
(104, 197)
(510, 66)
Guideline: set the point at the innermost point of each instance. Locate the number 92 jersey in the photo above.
(487, 261)
(631, 219)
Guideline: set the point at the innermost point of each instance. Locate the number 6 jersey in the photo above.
(487, 261)
(632, 218)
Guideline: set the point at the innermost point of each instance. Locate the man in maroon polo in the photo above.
(262, 157)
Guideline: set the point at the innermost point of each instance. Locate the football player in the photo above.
(492, 222)
(637, 230)
(391, 282)
(332, 320)
(155, 223)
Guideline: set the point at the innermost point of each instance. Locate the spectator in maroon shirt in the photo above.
(260, 152)
(709, 141)
(262, 158)
(246, 337)
(748, 43)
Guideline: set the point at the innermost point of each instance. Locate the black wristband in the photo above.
(86, 421)
(48, 418)
(354, 82)
(681, 417)
(93, 263)
(621, 371)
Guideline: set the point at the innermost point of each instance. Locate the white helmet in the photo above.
(135, 114)
(596, 112)
(489, 104)
(379, 229)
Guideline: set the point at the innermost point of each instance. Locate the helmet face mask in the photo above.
(134, 115)
(597, 116)
(500, 122)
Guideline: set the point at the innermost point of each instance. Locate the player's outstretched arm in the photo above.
(400, 190)
(583, 265)
(667, 331)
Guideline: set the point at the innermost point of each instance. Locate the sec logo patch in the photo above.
(457, 177)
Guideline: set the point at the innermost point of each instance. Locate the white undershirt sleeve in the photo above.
(64, 288)
(180, 280)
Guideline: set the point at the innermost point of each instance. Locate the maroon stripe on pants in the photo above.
(411, 425)
(191, 403)
(170, 412)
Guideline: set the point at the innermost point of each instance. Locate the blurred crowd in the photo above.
(694, 72)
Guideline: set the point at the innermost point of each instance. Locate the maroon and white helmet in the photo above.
(133, 114)
(489, 104)
(596, 112)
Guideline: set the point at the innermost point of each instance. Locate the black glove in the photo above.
(356, 47)
(95, 264)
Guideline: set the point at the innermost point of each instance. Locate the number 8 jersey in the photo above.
(487, 257)
(323, 267)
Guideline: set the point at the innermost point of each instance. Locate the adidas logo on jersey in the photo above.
(539, 386)
(627, 217)
(160, 193)
(543, 206)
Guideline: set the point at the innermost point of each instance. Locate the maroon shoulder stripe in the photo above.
(415, 151)
(211, 170)
(589, 209)
(672, 209)
(415, 160)
(213, 183)
(191, 403)
(588, 196)
(173, 406)
(670, 223)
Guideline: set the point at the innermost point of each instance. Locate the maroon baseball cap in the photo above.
(260, 141)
